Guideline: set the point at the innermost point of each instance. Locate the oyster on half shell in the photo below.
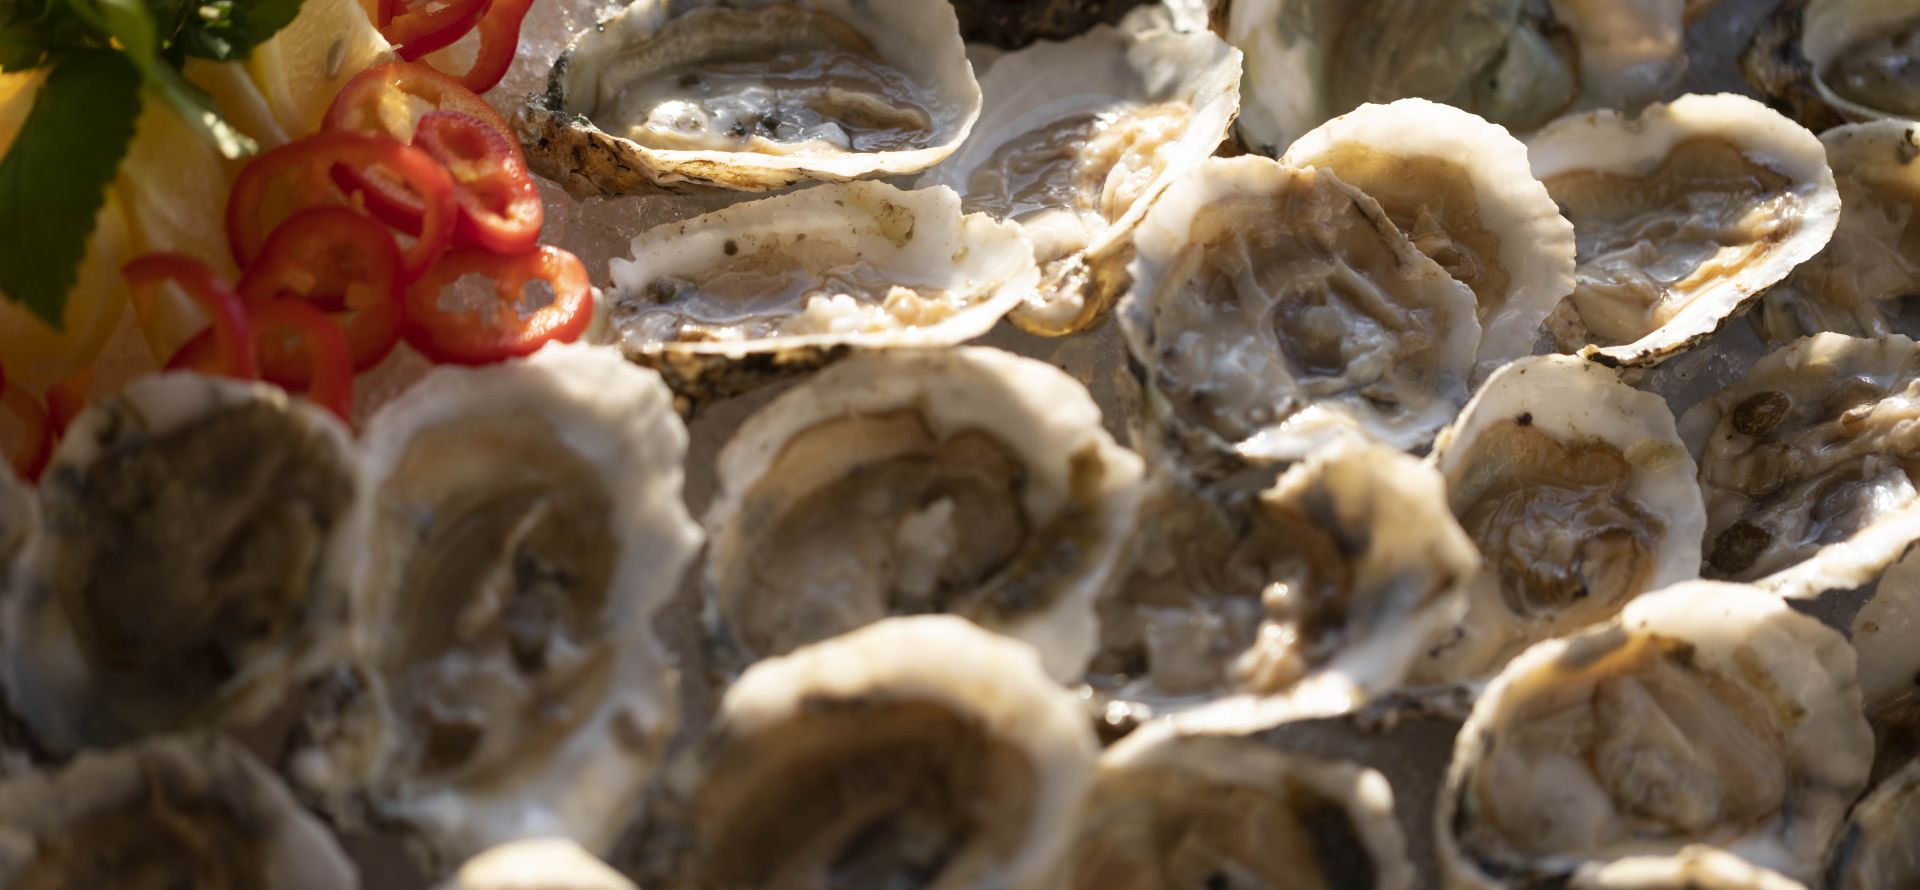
(1693, 868)
(1876, 850)
(1076, 141)
(1709, 713)
(972, 482)
(526, 525)
(1864, 56)
(753, 95)
(537, 864)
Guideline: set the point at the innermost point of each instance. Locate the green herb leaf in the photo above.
(226, 30)
(55, 176)
(131, 23)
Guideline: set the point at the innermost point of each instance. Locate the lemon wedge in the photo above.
(304, 65)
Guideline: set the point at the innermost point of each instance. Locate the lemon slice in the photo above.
(304, 65)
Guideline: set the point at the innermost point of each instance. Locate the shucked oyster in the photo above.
(1682, 215)
(1854, 286)
(526, 524)
(1864, 56)
(1177, 808)
(1517, 63)
(971, 481)
(1273, 308)
(1709, 713)
(198, 536)
(1462, 190)
(1809, 464)
(721, 301)
(1578, 492)
(1076, 141)
(537, 864)
(1877, 849)
(753, 95)
(915, 752)
(1337, 577)
(184, 811)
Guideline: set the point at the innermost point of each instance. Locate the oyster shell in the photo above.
(1683, 215)
(752, 95)
(1883, 632)
(1178, 807)
(1578, 491)
(1854, 286)
(538, 864)
(1517, 63)
(1462, 189)
(1275, 308)
(1693, 868)
(526, 525)
(182, 811)
(1876, 849)
(1076, 141)
(194, 563)
(1708, 713)
(1775, 67)
(914, 752)
(1808, 464)
(972, 481)
(1327, 585)
(720, 302)
(1861, 56)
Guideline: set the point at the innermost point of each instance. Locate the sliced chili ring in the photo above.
(344, 265)
(475, 307)
(499, 42)
(500, 207)
(296, 176)
(29, 456)
(317, 341)
(417, 32)
(234, 354)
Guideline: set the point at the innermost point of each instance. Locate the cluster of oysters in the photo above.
(1477, 375)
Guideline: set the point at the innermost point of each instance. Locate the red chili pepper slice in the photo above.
(293, 177)
(388, 100)
(341, 263)
(474, 307)
(234, 352)
(430, 27)
(317, 342)
(28, 456)
(499, 42)
(500, 207)
(66, 399)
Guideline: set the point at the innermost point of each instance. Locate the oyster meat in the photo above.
(971, 482)
(1078, 138)
(1275, 308)
(1709, 713)
(720, 302)
(753, 95)
(194, 563)
(1578, 491)
(914, 752)
(1327, 585)
(163, 814)
(1462, 189)
(1682, 216)
(538, 864)
(1864, 56)
(1809, 464)
(526, 525)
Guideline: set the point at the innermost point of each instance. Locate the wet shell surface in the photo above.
(194, 563)
(1579, 494)
(180, 811)
(1708, 713)
(1462, 190)
(527, 525)
(1861, 55)
(1876, 849)
(537, 864)
(1693, 868)
(914, 752)
(753, 95)
(1808, 464)
(1327, 585)
(1177, 808)
(1274, 309)
(971, 482)
(1682, 216)
(1076, 140)
(722, 302)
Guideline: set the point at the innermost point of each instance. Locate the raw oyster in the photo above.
(1076, 141)
(1708, 713)
(1461, 188)
(194, 563)
(1274, 308)
(753, 95)
(914, 752)
(1877, 849)
(1517, 63)
(1178, 807)
(1683, 215)
(181, 811)
(538, 864)
(720, 302)
(1693, 868)
(1580, 495)
(1809, 464)
(1864, 56)
(1883, 633)
(972, 481)
(1854, 286)
(1776, 69)
(1335, 578)
(526, 524)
